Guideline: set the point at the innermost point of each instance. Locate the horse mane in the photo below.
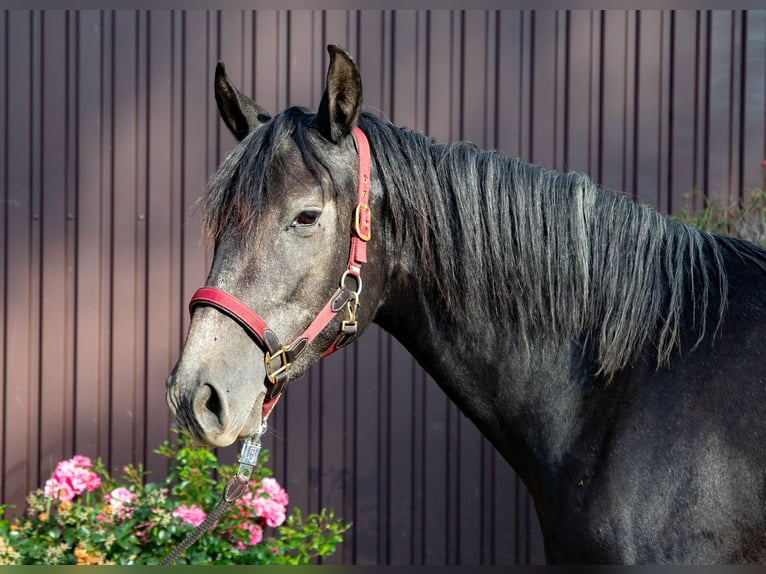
(562, 256)
(558, 254)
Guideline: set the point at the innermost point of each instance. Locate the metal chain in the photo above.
(236, 487)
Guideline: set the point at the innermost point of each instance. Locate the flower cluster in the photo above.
(118, 504)
(84, 516)
(267, 503)
(72, 477)
(193, 514)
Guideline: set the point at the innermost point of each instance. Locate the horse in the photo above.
(613, 356)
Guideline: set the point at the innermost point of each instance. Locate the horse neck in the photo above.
(522, 395)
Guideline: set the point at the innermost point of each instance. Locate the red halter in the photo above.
(279, 357)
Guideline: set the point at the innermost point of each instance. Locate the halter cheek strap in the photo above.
(278, 358)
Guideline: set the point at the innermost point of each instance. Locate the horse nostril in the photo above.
(213, 404)
(210, 409)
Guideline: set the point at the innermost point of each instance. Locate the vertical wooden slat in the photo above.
(525, 47)
(509, 83)
(579, 68)
(718, 122)
(35, 264)
(595, 142)
(141, 245)
(55, 397)
(702, 109)
(753, 118)
(734, 151)
(664, 200)
(561, 47)
(266, 70)
(684, 105)
(70, 376)
(162, 263)
(92, 241)
(613, 121)
(370, 58)
(4, 295)
(19, 415)
(631, 83)
(367, 479)
(125, 185)
(544, 85)
(648, 105)
(178, 310)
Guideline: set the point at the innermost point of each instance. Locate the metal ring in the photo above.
(346, 273)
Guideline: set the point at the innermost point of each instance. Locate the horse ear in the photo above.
(240, 114)
(342, 98)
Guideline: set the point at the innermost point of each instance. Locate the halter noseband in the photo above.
(278, 357)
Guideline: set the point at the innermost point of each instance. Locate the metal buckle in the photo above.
(361, 207)
(348, 326)
(282, 355)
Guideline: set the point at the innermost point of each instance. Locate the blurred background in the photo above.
(109, 132)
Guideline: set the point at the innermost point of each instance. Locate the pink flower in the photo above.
(82, 461)
(92, 482)
(254, 535)
(268, 502)
(121, 495)
(120, 498)
(82, 479)
(271, 511)
(72, 477)
(276, 493)
(59, 490)
(50, 488)
(193, 514)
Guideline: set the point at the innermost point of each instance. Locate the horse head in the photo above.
(290, 213)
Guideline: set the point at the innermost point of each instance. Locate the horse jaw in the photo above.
(216, 390)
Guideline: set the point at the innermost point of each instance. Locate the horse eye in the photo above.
(308, 217)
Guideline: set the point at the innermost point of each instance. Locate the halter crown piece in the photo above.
(278, 357)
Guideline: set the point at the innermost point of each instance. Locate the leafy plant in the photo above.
(746, 220)
(85, 516)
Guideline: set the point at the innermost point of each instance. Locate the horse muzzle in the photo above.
(212, 412)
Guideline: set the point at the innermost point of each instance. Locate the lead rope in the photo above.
(236, 487)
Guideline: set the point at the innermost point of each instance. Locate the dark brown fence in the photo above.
(109, 133)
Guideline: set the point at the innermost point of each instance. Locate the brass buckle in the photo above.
(360, 207)
(348, 326)
(282, 355)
